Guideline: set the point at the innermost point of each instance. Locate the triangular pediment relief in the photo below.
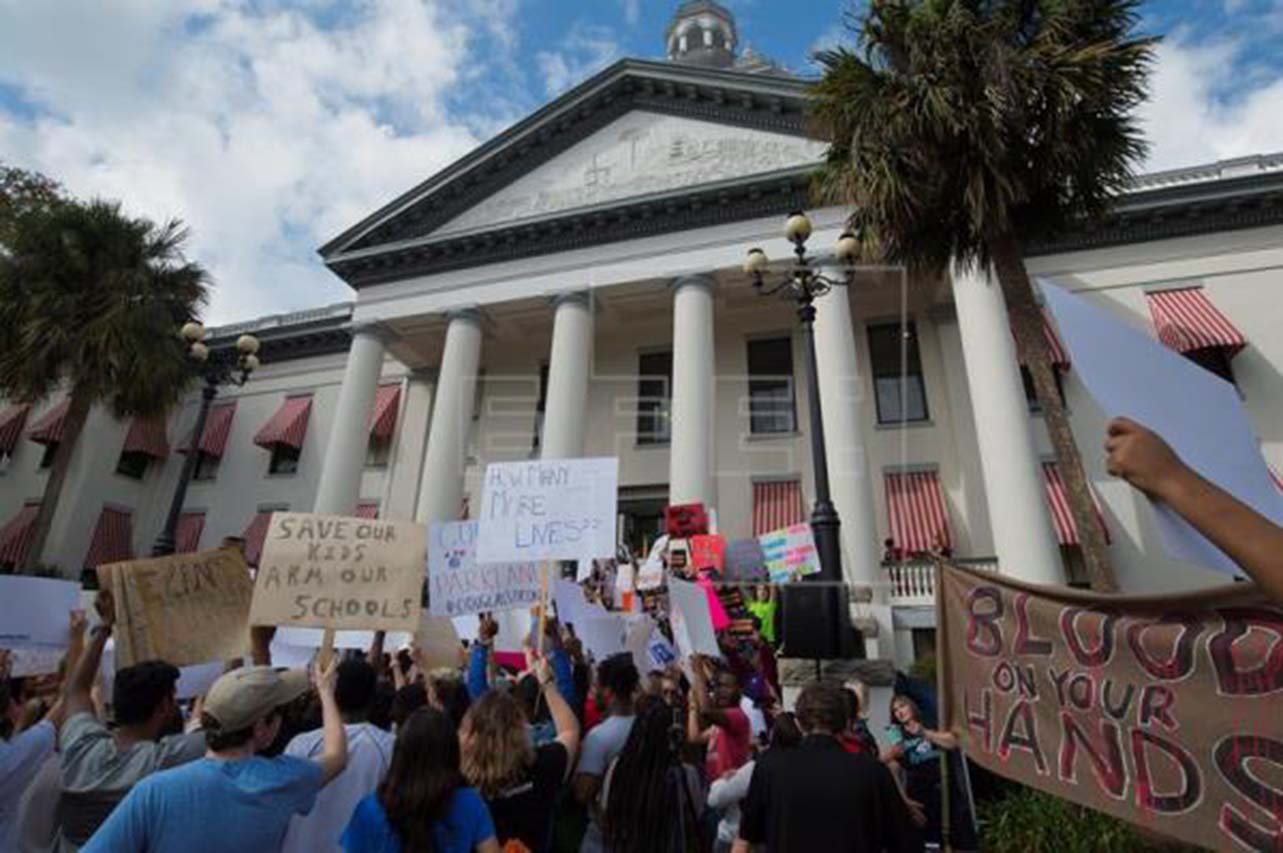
(640, 154)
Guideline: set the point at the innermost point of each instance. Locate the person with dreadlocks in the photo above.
(654, 801)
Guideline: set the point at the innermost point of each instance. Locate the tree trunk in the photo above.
(77, 414)
(1031, 343)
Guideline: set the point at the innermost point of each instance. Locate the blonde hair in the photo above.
(495, 742)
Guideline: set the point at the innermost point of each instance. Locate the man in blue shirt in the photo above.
(233, 798)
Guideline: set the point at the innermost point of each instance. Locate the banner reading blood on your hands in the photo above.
(1166, 711)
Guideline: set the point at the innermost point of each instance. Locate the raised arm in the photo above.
(708, 715)
(77, 691)
(479, 657)
(260, 642)
(334, 749)
(1145, 461)
(562, 716)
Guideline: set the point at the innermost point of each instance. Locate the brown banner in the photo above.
(1166, 711)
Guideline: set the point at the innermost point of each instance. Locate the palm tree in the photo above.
(963, 130)
(94, 298)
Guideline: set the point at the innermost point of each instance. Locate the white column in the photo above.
(340, 483)
(1014, 487)
(569, 365)
(690, 466)
(441, 486)
(842, 401)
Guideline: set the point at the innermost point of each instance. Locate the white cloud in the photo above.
(1209, 104)
(265, 131)
(584, 51)
(632, 12)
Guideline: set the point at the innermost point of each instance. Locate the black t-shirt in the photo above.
(524, 810)
(820, 797)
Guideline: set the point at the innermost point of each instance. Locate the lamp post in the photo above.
(216, 372)
(800, 284)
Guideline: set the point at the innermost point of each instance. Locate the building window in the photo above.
(133, 464)
(1215, 360)
(897, 373)
(284, 459)
(924, 643)
(1031, 394)
(51, 450)
(206, 466)
(654, 397)
(378, 451)
(541, 406)
(770, 386)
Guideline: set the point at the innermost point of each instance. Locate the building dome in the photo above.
(702, 33)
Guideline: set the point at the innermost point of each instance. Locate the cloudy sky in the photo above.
(270, 125)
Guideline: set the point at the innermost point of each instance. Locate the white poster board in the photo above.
(1201, 416)
(550, 509)
(36, 611)
(692, 622)
(460, 586)
(602, 636)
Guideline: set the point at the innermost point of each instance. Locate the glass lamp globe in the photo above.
(797, 228)
(193, 332)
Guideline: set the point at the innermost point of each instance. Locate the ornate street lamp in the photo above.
(800, 284)
(217, 369)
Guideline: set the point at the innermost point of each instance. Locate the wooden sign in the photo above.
(332, 571)
(183, 609)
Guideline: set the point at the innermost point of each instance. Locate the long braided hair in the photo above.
(649, 790)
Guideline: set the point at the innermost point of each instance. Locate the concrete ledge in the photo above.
(875, 673)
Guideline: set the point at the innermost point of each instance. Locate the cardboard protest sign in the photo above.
(602, 636)
(438, 642)
(313, 638)
(330, 571)
(637, 641)
(661, 651)
(35, 660)
(552, 509)
(708, 552)
(1160, 710)
(745, 561)
(691, 620)
(36, 611)
(458, 585)
(183, 609)
(790, 553)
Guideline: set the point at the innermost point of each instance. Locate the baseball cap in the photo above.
(244, 696)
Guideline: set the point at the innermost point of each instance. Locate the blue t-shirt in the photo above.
(211, 804)
(466, 824)
(917, 749)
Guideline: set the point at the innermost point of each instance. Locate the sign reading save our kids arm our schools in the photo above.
(551, 509)
(331, 571)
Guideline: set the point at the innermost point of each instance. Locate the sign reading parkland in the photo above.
(552, 509)
(330, 571)
(1166, 711)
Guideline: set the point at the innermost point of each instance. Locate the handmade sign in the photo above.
(708, 552)
(1161, 710)
(331, 571)
(745, 561)
(314, 638)
(438, 643)
(552, 509)
(36, 611)
(684, 520)
(602, 636)
(692, 622)
(790, 553)
(458, 585)
(183, 609)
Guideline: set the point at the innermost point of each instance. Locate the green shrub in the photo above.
(1028, 820)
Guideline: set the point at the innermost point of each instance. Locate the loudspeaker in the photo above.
(816, 623)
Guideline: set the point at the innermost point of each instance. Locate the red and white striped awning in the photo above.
(776, 504)
(187, 537)
(48, 430)
(1062, 517)
(1059, 355)
(1276, 477)
(916, 511)
(1186, 320)
(383, 419)
(367, 509)
(218, 426)
(15, 536)
(147, 435)
(113, 538)
(255, 534)
(288, 426)
(11, 423)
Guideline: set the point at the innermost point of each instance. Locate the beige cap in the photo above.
(244, 696)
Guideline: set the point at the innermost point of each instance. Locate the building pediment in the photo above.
(637, 140)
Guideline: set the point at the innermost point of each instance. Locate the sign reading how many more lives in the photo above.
(183, 609)
(331, 571)
(1161, 710)
(458, 585)
(551, 509)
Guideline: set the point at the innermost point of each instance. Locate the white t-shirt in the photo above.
(21, 758)
(756, 719)
(369, 752)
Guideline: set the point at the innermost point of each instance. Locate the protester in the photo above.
(716, 719)
(857, 738)
(917, 750)
(616, 690)
(100, 766)
(1251, 540)
(369, 751)
(447, 692)
(23, 755)
(424, 802)
(820, 797)
(234, 798)
(726, 793)
(763, 608)
(653, 801)
(520, 783)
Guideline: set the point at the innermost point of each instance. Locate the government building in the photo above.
(575, 287)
